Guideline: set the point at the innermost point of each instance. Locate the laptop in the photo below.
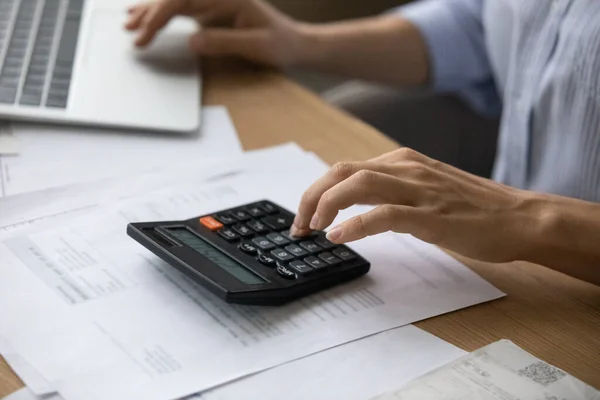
(72, 62)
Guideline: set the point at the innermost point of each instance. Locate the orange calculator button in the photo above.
(211, 223)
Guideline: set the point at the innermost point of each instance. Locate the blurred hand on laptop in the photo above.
(246, 28)
(384, 48)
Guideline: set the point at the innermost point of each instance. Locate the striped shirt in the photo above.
(536, 61)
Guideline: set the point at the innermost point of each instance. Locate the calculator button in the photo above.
(225, 219)
(282, 255)
(344, 253)
(240, 214)
(277, 238)
(315, 262)
(323, 242)
(288, 236)
(211, 223)
(301, 267)
(257, 226)
(267, 260)
(329, 258)
(228, 234)
(286, 272)
(268, 207)
(248, 248)
(309, 246)
(263, 243)
(278, 222)
(256, 211)
(243, 230)
(296, 250)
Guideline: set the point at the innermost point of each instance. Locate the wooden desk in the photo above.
(554, 317)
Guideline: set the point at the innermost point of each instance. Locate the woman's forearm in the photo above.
(385, 49)
(567, 237)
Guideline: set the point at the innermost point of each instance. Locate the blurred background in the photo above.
(412, 119)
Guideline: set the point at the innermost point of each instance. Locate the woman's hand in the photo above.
(251, 29)
(430, 200)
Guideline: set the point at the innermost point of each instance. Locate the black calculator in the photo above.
(246, 255)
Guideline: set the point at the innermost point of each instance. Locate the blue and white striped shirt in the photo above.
(538, 61)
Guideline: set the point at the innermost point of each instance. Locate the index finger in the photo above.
(310, 199)
(157, 17)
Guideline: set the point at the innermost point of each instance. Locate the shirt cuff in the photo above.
(441, 31)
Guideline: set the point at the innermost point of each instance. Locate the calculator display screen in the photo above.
(216, 256)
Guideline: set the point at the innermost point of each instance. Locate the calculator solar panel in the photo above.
(246, 254)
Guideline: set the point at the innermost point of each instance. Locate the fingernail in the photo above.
(314, 222)
(294, 231)
(334, 234)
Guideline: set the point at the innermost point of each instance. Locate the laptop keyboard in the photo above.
(38, 39)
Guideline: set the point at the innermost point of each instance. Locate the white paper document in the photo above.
(56, 206)
(101, 317)
(499, 371)
(26, 394)
(62, 203)
(353, 371)
(32, 378)
(54, 156)
(9, 144)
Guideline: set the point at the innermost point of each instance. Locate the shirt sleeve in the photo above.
(454, 34)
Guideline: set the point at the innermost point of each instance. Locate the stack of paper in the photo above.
(499, 371)
(51, 156)
(89, 313)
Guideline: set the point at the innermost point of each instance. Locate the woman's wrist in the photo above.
(562, 235)
(523, 226)
(538, 227)
(306, 51)
(385, 49)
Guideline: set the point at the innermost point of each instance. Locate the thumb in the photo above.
(229, 42)
(387, 217)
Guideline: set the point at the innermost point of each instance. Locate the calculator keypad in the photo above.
(246, 255)
(324, 243)
(310, 246)
(257, 226)
(248, 248)
(290, 237)
(329, 258)
(266, 236)
(225, 219)
(228, 234)
(301, 267)
(282, 255)
(268, 207)
(315, 262)
(296, 250)
(277, 238)
(211, 223)
(240, 215)
(266, 259)
(286, 272)
(344, 253)
(243, 230)
(263, 243)
(278, 222)
(256, 211)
